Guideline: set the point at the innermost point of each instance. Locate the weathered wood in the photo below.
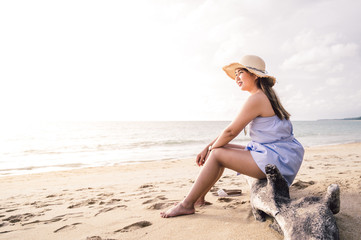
(305, 218)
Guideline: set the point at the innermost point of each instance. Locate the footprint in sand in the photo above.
(82, 189)
(105, 194)
(148, 196)
(134, 226)
(234, 205)
(110, 209)
(158, 206)
(301, 184)
(147, 186)
(55, 219)
(161, 197)
(40, 204)
(71, 226)
(110, 202)
(19, 218)
(224, 199)
(10, 210)
(51, 196)
(98, 238)
(148, 201)
(88, 202)
(328, 165)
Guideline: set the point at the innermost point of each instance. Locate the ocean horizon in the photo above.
(54, 146)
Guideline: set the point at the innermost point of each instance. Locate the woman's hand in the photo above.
(202, 157)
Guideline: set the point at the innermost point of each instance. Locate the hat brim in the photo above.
(231, 69)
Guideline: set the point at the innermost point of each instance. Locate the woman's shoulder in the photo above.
(261, 101)
(255, 103)
(258, 97)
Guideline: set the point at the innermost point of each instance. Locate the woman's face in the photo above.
(245, 79)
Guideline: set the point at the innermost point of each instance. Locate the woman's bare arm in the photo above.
(251, 109)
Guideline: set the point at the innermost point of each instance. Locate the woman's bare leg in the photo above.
(235, 159)
(202, 199)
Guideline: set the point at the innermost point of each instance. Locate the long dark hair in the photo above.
(265, 84)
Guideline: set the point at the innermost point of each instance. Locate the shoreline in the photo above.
(124, 201)
(128, 162)
(333, 144)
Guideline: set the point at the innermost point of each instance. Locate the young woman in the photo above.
(270, 130)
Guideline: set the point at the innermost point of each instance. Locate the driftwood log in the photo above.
(305, 218)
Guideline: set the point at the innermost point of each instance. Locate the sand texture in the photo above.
(124, 202)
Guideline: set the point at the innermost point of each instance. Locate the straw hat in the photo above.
(253, 64)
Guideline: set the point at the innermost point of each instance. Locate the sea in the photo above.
(54, 146)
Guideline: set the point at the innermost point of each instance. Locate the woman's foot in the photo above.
(177, 210)
(199, 203)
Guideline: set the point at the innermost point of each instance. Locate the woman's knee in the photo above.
(218, 154)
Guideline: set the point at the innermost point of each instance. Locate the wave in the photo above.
(36, 169)
(111, 147)
(37, 151)
(165, 142)
(141, 144)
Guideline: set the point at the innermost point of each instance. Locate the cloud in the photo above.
(312, 53)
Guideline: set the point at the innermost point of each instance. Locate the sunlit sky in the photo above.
(162, 60)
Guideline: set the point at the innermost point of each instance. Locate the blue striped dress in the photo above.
(273, 142)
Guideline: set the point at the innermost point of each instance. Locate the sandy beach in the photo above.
(124, 202)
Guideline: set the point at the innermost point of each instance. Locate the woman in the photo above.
(271, 133)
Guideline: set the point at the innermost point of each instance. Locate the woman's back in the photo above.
(265, 107)
(270, 129)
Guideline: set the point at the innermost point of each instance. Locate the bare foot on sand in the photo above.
(200, 203)
(177, 210)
